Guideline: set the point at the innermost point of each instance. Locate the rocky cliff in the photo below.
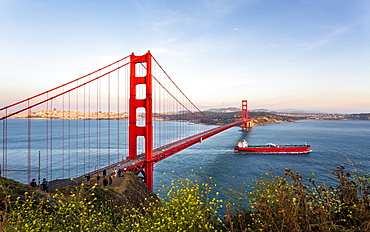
(128, 190)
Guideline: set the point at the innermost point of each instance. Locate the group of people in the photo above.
(107, 179)
(44, 186)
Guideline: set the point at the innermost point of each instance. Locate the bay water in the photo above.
(333, 143)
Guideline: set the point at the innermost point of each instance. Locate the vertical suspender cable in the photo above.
(5, 146)
(84, 130)
(155, 109)
(109, 117)
(5, 165)
(127, 84)
(47, 139)
(89, 126)
(69, 134)
(51, 140)
(29, 144)
(168, 110)
(63, 135)
(118, 115)
(158, 110)
(97, 123)
(76, 123)
(83, 117)
(100, 119)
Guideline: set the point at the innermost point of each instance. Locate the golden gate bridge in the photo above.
(117, 117)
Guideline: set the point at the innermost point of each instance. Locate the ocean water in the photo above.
(333, 143)
(72, 148)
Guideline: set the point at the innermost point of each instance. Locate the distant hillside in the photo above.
(259, 118)
(262, 118)
(364, 116)
(228, 109)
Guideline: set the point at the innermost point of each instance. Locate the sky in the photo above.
(311, 55)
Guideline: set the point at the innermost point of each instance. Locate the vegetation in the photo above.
(263, 118)
(287, 204)
(273, 202)
(259, 118)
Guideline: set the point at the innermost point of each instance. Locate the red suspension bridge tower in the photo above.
(83, 138)
(135, 104)
(247, 124)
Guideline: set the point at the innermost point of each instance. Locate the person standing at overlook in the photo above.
(88, 179)
(33, 183)
(98, 179)
(105, 182)
(45, 185)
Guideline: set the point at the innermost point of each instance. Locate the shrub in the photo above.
(273, 203)
(186, 206)
(287, 204)
(73, 212)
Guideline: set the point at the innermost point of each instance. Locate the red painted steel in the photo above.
(138, 164)
(55, 96)
(279, 149)
(30, 98)
(245, 117)
(210, 120)
(173, 148)
(134, 103)
(244, 110)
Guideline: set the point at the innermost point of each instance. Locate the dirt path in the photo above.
(119, 183)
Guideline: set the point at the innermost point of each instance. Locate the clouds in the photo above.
(326, 38)
(259, 49)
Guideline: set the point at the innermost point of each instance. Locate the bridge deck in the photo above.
(137, 165)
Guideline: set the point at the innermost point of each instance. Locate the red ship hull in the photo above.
(276, 149)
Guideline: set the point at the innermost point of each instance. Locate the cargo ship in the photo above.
(271, 148)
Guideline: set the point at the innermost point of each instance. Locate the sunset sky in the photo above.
(311, 55)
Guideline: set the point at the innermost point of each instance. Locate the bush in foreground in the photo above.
(273, 203)
(287, 204)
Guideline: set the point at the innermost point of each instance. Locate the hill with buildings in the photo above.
(211, 116)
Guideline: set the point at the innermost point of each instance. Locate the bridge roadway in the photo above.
(137, 165)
